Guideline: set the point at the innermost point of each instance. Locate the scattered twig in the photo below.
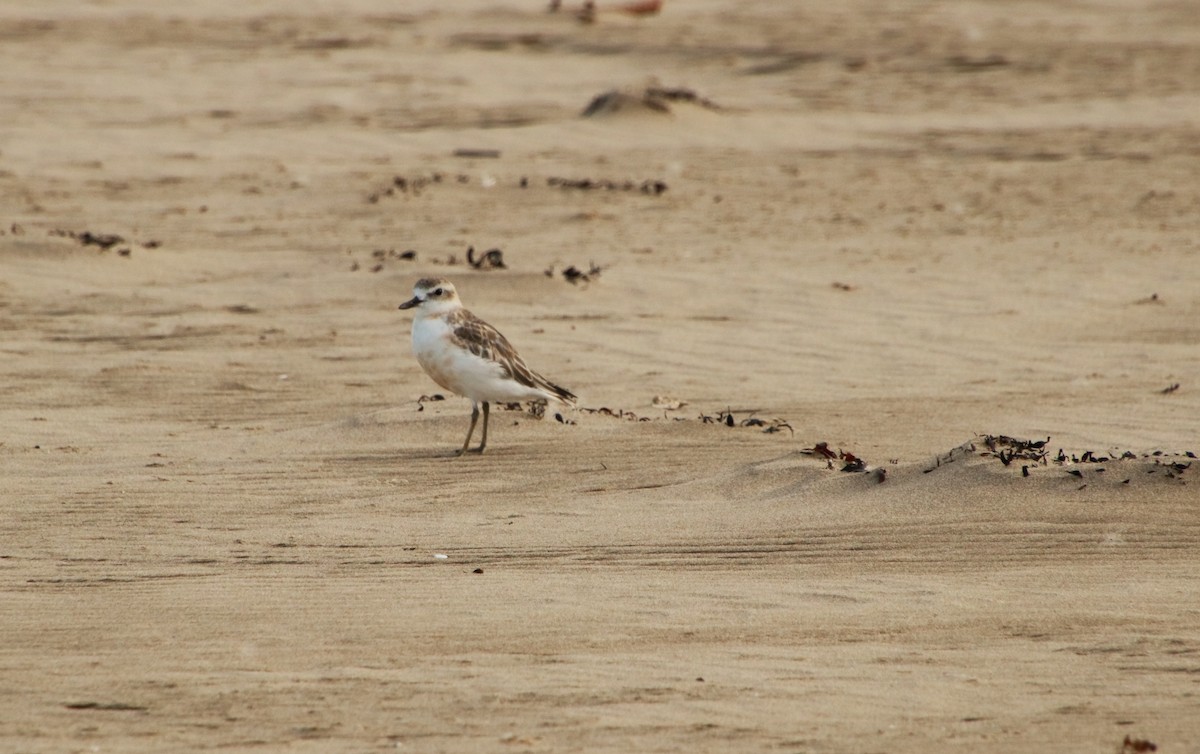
(618, 414)
(574, 275)
(641, 8)
(656, 99)
(770, 426)
(820, 449)
(1137, 746)
(107, 706)
(649, 186)
(477, 153)
(87, 238)
(969, 64)
(493, 259)
(536, 409)
(853, 463)
(428, 399)
(404, 185)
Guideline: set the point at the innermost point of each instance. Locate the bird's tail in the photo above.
(530, 378)
(556, 392)
(564, 396)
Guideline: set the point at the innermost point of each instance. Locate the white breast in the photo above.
(433, 349)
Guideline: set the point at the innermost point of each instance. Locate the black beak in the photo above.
(414, 301)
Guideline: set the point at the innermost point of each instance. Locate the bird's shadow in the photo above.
(399, 456)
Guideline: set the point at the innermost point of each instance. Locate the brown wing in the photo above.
(487, 342)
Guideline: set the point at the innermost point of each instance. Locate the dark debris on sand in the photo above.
(1007, 449)
(574, 275)
(104, 241)
(649, 186)
(492, 259)
(379, 256)
(655, 99)
(617, 414)
(87, 238)
(726, 417)
(850, 462)
(1133, 745)
(414, 186)
(429, 399)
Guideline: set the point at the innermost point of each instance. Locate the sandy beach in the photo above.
(884, 319)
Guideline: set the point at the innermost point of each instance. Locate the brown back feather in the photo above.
(487, 342)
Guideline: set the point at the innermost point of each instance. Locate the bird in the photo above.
(469, 357)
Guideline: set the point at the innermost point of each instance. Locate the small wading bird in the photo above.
(467, 356)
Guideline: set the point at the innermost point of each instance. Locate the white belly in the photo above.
(461, 371)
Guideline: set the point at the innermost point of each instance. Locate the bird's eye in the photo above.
(437, 291)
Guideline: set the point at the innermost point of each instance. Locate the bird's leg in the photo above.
(486, 413)
(471, 429)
